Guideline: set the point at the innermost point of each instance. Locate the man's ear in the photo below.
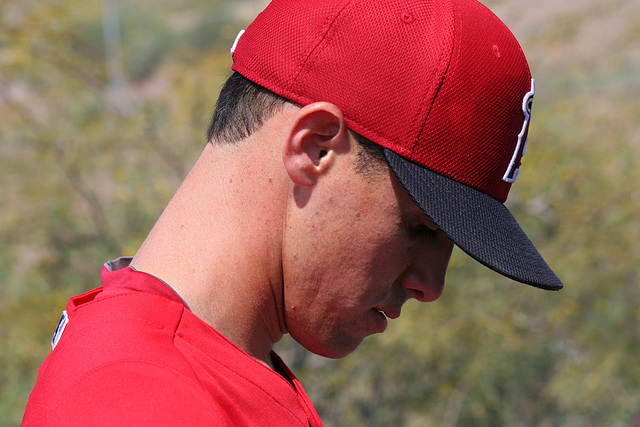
(318, 132)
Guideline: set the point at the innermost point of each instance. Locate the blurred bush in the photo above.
(83, 181)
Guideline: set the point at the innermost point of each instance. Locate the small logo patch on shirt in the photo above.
(64, 319)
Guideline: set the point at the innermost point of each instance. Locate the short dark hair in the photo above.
(243, 106)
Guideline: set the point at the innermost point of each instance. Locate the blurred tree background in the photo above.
(98, 128)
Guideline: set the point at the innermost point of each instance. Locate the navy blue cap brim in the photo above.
(477, 223)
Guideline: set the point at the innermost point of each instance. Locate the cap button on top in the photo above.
(407, 17)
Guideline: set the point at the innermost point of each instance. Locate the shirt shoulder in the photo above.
(130, 392)
(156, 362)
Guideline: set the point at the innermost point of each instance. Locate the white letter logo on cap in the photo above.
(511, 174)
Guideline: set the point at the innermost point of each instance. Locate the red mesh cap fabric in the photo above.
(472, 130)
(441, 83)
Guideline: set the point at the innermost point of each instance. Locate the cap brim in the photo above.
(477, 223)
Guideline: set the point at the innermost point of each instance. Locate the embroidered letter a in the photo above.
(511, 174)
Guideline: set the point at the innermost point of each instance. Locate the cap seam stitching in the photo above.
(440, 84)
(326, 28)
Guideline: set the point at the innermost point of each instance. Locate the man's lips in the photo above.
(382, 316)
(390, 313)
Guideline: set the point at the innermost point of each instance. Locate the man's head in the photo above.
(442, 86)
(355, 245)
(392, 130)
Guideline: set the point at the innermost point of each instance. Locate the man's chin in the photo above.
(330, 350)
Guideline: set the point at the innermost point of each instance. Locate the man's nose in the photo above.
(425, 278)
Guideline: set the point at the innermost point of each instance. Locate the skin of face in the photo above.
(357, 247)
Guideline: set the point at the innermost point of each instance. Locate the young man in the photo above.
(354, 145)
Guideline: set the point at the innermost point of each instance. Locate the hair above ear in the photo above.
(242, 108)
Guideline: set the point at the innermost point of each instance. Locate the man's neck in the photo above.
(216, 244)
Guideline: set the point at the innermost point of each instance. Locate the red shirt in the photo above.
(132, 353)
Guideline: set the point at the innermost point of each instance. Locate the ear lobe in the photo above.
(317, 133)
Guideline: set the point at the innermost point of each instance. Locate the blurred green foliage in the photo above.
(83, 181)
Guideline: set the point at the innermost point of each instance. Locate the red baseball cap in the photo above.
(442, 85)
